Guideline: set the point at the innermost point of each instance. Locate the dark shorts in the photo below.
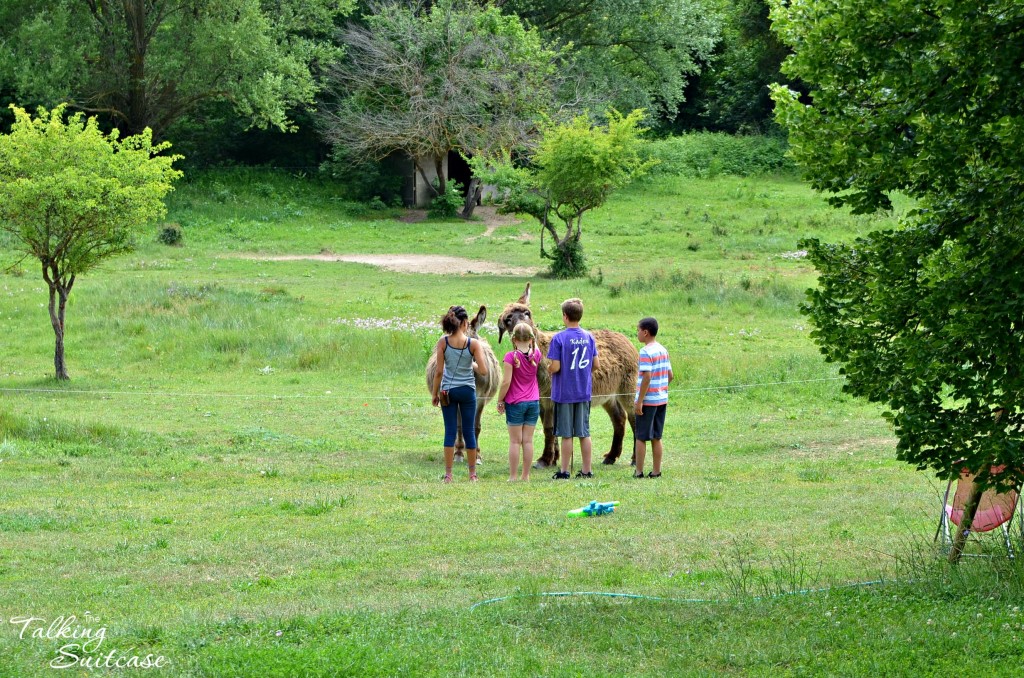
(651, 423)
(522, 414)
(572, 420)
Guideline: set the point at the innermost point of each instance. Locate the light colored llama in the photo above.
(614, 380)
(486, 385)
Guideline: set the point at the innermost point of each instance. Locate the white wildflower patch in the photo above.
(390, 324)
(798, 254)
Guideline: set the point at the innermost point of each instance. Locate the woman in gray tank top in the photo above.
(454, 387)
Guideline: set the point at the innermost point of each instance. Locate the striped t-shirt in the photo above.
(654, 359)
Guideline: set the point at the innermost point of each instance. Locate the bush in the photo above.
(170, 234)
(448, 204)
(706, 154)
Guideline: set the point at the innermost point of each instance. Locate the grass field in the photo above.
(243, 475)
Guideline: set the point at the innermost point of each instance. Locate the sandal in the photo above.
(472, 477)
(652, 474)
(447, 478)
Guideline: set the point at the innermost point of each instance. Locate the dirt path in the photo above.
(408, 263)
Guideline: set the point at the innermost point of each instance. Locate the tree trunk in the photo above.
(57, 321)
(138, 113)
(442, 180)
(472, 198)
(966, 521)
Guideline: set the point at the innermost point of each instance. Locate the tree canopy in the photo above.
(628, 53)
(925, 99)
(72, 197)
(454, 77)
(146, 63)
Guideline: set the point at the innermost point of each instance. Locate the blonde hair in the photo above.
(522, 332)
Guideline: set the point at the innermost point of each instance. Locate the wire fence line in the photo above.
(330, 396)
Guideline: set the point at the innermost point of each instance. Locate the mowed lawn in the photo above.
(243, 475)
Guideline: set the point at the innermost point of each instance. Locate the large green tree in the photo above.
(146, 63)
(627, 53)
(453, 77)
(928, 318)
(71, 197)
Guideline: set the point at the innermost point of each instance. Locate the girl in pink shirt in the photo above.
(519, 398)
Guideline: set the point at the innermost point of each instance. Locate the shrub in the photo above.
(170, 234)
(706, 154)
(448, 204)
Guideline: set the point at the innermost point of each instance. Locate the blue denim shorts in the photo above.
(522, 414)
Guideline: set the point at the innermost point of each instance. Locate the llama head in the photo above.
(514, 313)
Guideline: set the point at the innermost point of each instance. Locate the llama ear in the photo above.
(479, 319)
(525, 299)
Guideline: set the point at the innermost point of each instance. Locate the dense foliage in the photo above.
(627, 53)
(71, 216)
(147, 63)
(925, 99)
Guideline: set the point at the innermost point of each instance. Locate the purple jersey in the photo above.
(574, 349)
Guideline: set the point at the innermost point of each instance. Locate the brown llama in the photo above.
(487, 385)
(614, 380)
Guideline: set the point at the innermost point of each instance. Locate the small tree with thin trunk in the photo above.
(576, 166)
(71, 197)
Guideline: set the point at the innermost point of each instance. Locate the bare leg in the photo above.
(640, 451)
(656, 450)
(449, 458)
(471, 453)
(527, 450)
(515, 441)
(566, 454)
(586, 448)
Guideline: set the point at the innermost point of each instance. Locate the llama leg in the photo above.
(460, 444)
(481, 403)
(617, 413)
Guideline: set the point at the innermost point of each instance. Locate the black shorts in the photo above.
(651, 423)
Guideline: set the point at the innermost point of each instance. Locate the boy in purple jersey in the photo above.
(573, 358)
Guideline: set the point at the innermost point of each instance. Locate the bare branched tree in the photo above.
(456, 77)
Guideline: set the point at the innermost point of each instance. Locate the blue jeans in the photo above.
(461, 401)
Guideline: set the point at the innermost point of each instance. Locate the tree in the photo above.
(627, 53)
(454, 77)
(146, 63)
(927, 318)
(72, 197)
(576, 166)
(732, 94)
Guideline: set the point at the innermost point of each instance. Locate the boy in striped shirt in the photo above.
(651, 396)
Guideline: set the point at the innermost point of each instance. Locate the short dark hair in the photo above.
(649, 324)
(453, 319)
(573, 309)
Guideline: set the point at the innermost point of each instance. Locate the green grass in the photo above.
(247, 448)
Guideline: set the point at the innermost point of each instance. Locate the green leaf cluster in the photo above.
(150, 62)
(924, 99)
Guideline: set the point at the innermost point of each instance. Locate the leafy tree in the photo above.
(732, 94)
(146, 63)
(576, 166)
(627, 53)
(928, 318)
(454, 77)
(71, 197)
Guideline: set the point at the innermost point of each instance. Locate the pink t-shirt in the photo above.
(524, 378)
